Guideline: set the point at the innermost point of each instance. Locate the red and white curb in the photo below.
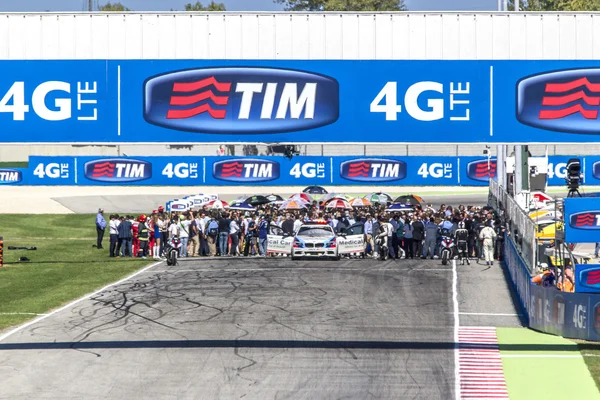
(480, 366)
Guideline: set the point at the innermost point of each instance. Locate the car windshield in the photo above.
(315, 231)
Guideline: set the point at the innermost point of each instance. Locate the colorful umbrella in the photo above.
(338, 203)
(378, 197)
(410, 199)
(240, 206)
(217, 205)
(292, 204)
(304, 196)
(331, 196)
(315, 190)
(358, 202)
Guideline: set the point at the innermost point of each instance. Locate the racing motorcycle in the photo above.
(172, 250)
(448, 248)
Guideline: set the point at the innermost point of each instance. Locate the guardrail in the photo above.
(522, 228)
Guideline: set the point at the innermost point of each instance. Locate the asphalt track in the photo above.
(256, 329)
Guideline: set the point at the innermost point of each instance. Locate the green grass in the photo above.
(591, 354)
(14, 164)
(64, 267)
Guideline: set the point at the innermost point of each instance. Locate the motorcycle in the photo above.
(448, 249)
(172, 250)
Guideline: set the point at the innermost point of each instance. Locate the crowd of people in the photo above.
(414, 233)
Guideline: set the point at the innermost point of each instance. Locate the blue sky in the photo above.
(232, 5)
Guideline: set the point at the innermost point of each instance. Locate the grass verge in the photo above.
(64, 267)
(14, 164)
(591, 354)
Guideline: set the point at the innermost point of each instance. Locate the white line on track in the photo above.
(457, 394)
(217, 269)
(492, 314)
(79, 300)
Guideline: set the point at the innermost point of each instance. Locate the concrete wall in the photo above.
(440, 36)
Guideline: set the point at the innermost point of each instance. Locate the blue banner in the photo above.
(571, 315)
(582, 220)
(271, 171)
(297, 101)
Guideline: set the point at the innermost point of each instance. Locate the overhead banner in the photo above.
(298, 101)
(582, 220)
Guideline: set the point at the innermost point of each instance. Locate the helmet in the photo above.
(461, 225)
(142, 218)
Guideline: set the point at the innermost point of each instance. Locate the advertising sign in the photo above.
(299, 101)
(270, 171)
(571, 315)
(582, 220)
(587, 278)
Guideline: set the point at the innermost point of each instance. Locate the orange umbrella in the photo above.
(358, 202)
(292, 204)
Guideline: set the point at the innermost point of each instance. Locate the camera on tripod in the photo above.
(574, 177)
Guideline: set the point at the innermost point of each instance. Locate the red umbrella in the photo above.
(304, 196)
(217, 204)
(338, 203)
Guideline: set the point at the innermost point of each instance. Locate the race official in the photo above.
(100, 227)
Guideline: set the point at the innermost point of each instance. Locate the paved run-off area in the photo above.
(260, 329)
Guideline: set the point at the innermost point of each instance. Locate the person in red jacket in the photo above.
(136, 238)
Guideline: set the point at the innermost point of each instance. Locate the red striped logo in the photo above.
(188, 97)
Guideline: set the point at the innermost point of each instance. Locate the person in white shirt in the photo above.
(114, 234)
(234, 230)
(297, 224)
(184, 234)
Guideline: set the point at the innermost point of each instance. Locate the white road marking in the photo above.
(457, 394)
(87, 296)
(231, 269)
(492, 314)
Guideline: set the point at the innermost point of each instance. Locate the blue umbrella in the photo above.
(241, 206)
(399, 207)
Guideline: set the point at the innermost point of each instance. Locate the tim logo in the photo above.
(480, 170)
(8, 176)
(178, 207)
(589, 278)
(118, 170)
(246, 170)
(596, 170)
(241, 100)
(585, 220)
(565, 101)
(373, 170)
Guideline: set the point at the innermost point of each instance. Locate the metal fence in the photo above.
(521, 228)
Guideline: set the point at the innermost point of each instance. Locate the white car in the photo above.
(318, 240)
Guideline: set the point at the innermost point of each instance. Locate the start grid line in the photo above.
(480, 365)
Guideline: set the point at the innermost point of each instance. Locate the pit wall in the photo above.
(273, 171)
(570, 315)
